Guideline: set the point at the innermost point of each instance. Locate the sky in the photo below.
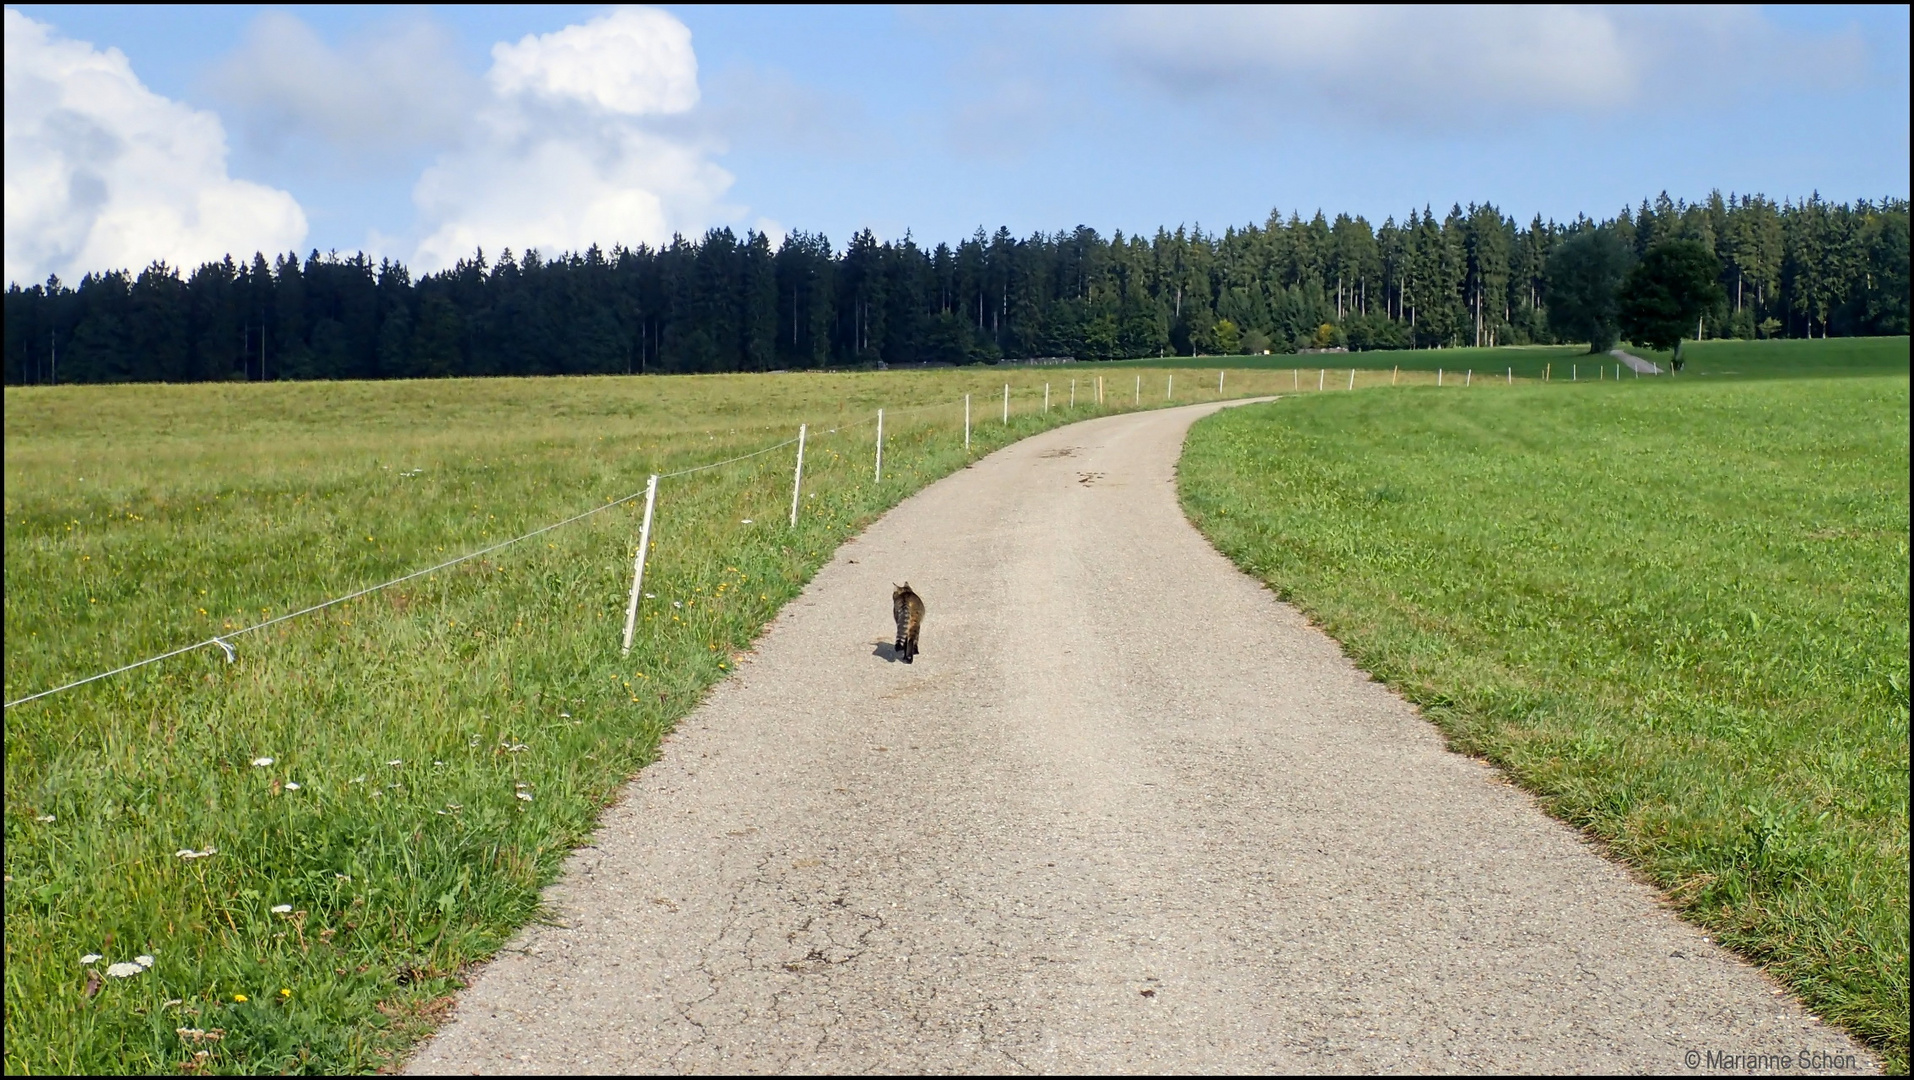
(422, 134)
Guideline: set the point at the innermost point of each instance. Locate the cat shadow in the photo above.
(887, 652)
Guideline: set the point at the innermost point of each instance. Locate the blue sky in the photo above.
(420, 132)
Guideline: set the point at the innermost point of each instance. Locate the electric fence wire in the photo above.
(223, 640)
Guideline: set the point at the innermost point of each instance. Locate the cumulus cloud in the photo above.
(631, 61)
(102, 173)
(569, 151)
(394, 88)
(1410, 65)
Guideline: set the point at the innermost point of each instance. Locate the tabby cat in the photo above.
(908, 608)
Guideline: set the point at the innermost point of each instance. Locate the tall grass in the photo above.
(1676, 610)
(451, 738)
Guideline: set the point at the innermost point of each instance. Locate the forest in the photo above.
(728, 303)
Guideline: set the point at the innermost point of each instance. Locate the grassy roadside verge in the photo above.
(386, 786)
(1676, 611)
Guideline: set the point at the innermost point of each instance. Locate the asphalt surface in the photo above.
(1126, 812)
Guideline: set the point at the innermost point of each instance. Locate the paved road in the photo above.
(1126, 812)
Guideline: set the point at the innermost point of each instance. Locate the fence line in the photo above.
(650, 491)
(223, 641)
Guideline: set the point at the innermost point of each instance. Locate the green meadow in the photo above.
(310, 842)
(1718, 359)
(383, 786)
(1675, 609)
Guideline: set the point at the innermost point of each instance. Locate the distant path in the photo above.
(1636, 363)
(1127, 812)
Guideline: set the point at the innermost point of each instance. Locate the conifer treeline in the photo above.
(726, 303)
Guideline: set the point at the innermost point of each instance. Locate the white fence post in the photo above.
(1295, 377)
(1073, 395)
(1393, 372)
(966, 422)
(1438, 376)
(1219, 382)
(1046, 399)
(1169, 386)
(1468, 379)
(1321, 374)
(1006, 403)
(1575, 373)
(1352, 378)
(638, 565)
(797, 478)
(1139, 389)
(1511, 376)
(879, 478)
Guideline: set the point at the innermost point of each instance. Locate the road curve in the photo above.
(1126, 812)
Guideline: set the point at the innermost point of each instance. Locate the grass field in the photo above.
(1677, 610)
(1750, 359)
(1527, 360)
(436, 748)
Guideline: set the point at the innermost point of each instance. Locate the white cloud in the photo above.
(1425, 64)
(631, 61)
(102, 173)
(563, 157)
(394, 87)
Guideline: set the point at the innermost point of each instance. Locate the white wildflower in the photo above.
(44, 817)
(747, 521)
(261, 762)
(281, 909)
(145, 961)
(566, 715)
(396, 762)
(357, 780)
(526, 795)
(189, 853)
(91, 958)
(290, 786)
(124, 971)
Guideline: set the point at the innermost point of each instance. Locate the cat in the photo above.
(908, 608)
